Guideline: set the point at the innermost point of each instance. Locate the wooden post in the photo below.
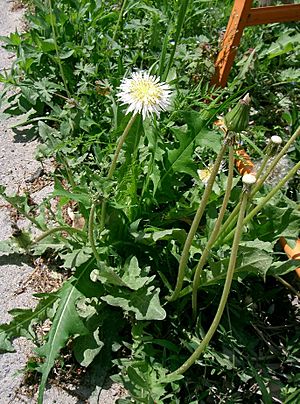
(242, 15)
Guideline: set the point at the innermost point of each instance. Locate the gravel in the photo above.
(17, 165)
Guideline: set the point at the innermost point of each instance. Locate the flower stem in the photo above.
(119, 146)
(232, 217)
(185, 252)
(284, 150)
(214, 233)
(180, 22)
(230, 271)
(91, 233)
(119, 20)
(266, 199)
(114, 163)
(263, 164)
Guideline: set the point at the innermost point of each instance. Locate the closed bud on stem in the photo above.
(237, 119)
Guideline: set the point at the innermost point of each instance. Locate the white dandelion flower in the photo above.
(144, 94)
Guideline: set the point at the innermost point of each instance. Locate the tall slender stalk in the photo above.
(57, 50)
(180, 22)
(119, 20)
(65, 163)
(185, 252)
(91, 233)
(114, 163)
(214, 233)
(266, 199)
(230, 271)
(232, 217)
(283, 151)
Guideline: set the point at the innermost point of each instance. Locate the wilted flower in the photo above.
(144, 94)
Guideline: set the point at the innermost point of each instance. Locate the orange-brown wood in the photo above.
(292, 253)
(268, 15)
(242, 15)
(231, 40)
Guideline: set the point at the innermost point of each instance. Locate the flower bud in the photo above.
(237, 119)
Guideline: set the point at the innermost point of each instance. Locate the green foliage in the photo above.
(112, 306)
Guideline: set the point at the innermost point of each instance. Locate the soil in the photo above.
(18, 168)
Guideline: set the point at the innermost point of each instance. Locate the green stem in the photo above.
(91, 233)
(230, 271)
(214, 233)
(114, 163)
(180, 22)
(185, 252)
(119, 20)
(119, 146)
(266, 199)
(57, 50)
(65, 163)
(152, 161)
(232, 217)
(284, 150)
(47, 233)
(22, 211)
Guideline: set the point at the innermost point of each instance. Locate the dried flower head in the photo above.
(144, 94)
(279, 171)
(249, 179)
(276, 139)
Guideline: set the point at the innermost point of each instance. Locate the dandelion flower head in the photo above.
(144, 94)
(205, 173)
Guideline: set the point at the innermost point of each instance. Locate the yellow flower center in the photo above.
(146, 91)
(204, 174)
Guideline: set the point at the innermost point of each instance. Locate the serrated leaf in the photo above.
(132, 276)
(77, 257)
(180, 159)
(284, 44)
(23, 320)
(66, 322)
(144, 303)
(282, 268)
(87, 347)
(290, 74)
(78, 197)
(251, 260)
(107, 275)
(9, 246)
